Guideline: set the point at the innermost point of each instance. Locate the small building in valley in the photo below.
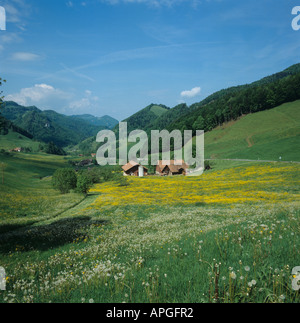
(178, 167)
(134, 169)
(17, 150)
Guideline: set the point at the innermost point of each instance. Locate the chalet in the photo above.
(134, 169)
(172, 169)
(17, 150)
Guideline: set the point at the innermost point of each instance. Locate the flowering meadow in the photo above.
(230, 235)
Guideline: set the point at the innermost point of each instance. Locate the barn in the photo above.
(134, 169)
(178, 167)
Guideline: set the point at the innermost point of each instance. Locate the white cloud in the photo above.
(191, 93)
(43, 95)
(88, 102)
(25, 57)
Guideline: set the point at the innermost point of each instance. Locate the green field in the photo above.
(26, 195)
(265, 135)
(231, 235)
(13, 140)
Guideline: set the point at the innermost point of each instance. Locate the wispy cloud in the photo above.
(25, 57)
(155, 3)
(16, 12)
(110, 58)
(9, 38)
(165, 33)
(70, 4)
(87, 102)
(130, 54)
(74, 72)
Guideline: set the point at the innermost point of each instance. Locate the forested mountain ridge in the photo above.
(224, 105)
(6, 126)
(105, 121)
(145, 117)
(49, 126)
(292, 70)
(231, 104)
(272, 134)
(220, 107)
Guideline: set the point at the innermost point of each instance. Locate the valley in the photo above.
(230, 235)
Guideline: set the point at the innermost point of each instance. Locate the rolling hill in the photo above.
(239, 122)
(105, 121)
(230, 104)
(12, 137)
(265, 135)
(143, 118)
(49, 126)
(222, 106)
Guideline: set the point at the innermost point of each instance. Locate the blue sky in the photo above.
(117, 56)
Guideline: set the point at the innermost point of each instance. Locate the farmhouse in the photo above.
(172, 169)
(134, 169)
(17, 150)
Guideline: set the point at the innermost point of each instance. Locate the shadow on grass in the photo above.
(46, 237)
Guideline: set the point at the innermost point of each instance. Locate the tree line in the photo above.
(233, 104)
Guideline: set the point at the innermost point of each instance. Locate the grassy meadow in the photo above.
(265, 135)
(14, 139)
(230, 235)
(26, 193)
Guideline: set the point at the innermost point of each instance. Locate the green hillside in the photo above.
(26, 193)
(86, 147)
(144, 117)
(105, 121)
(14, 139)
(292, 70)
(232, 103)
(168, 117)
(265, 135)
(158, 110)
(222, 106)
(49, 125)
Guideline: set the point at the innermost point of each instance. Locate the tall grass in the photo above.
(258, 136)
(157, 249)
(250, 260)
